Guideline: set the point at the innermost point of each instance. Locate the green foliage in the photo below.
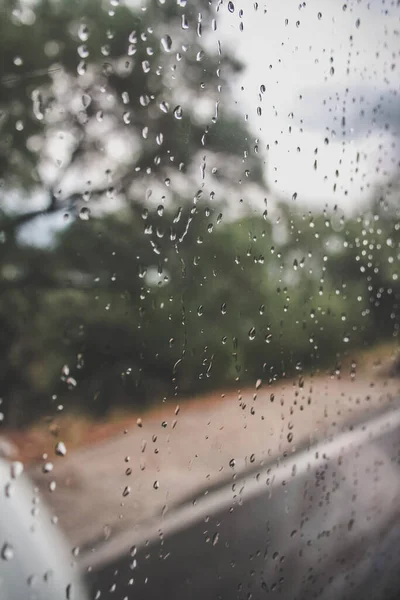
(70, 71)
(225, 307)
(138, 300)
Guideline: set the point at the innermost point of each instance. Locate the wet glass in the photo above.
(199, 305)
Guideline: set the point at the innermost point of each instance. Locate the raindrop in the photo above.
(7, 552)
(83, 32)
(231, 7)
(178, 112)
(32, 581)
(127, 491)
(16, 469)
(60, 449)
(144, 100)
(265, 587)
(166, 43)
(84, 214)
(81, 68)
(37, 105)
(252, 333)
(86, 100)
(156, 484)
(215, 539)
(83, 51)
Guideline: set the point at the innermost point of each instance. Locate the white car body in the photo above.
(35, 561)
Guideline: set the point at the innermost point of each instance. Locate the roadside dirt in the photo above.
(116, 483)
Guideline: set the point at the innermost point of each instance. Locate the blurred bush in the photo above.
(108, 328)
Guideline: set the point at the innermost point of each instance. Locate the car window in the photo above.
(199, 307)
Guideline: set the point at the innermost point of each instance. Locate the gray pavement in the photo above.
(322, 523)
(96, 498)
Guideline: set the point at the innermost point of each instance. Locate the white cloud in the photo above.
(335, 53)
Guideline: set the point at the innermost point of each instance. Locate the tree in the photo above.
(104, 110)
(98, 105)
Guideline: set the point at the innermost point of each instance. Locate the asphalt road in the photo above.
(323, 523)
(186, 452)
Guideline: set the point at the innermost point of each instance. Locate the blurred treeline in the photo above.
(151, 286)
(231, 306)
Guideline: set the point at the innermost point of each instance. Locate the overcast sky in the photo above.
(320, 62)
